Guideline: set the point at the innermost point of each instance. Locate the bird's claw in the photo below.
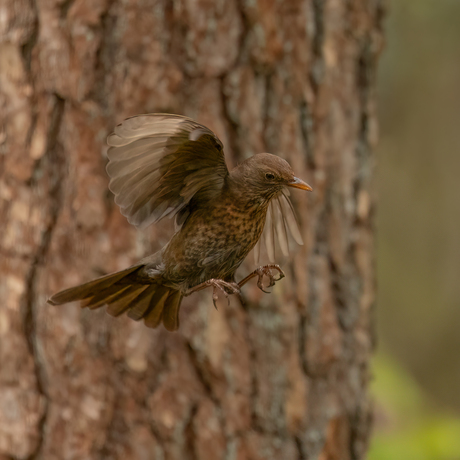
(225, 287)
(261, 286)
(266, 271)
(228, 288)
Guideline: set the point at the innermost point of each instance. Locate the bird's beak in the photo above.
(298, 183)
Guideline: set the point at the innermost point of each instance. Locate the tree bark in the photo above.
(283, 377)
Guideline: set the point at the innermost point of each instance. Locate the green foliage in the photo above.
(406, 426)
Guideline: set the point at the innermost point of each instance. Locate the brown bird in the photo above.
(168, 165)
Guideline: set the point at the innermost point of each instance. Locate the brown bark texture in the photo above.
(283, 377)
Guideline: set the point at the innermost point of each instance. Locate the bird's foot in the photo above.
(228, 288)
(260, 272)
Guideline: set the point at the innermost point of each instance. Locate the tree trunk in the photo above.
(283, 377)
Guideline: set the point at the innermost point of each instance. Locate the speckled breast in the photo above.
(213, 243)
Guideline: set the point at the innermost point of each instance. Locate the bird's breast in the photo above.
(213, 242)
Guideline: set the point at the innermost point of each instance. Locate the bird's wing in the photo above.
(159, 162)
(280, 218)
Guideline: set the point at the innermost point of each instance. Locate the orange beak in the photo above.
(298, 183)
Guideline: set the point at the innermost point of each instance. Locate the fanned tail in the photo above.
(125, 292)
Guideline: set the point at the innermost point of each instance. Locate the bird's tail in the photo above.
(124, 291)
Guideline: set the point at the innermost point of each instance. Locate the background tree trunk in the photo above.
(284, 377)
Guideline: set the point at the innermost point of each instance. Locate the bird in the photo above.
(168, 165)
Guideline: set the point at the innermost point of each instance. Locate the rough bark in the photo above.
(286, 375)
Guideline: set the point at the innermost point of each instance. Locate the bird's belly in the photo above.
(204, 250)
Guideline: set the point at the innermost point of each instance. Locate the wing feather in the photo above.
(280, 218)
(280, 227)
(289, 217)
(257, 253)
(269, 233)
(158, 163)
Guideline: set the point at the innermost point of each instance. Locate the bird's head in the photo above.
(266, 175)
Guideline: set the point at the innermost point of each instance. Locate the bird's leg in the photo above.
(261, 272)
(227, 288)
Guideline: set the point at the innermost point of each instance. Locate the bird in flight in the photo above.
(168, 165)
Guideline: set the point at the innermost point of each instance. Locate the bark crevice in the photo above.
(231, 125)
(306, 122)
(55, 165)
(317, 71)
(190, 435)
(203, 377)
(302, 455)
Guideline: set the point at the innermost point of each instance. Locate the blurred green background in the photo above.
(417, 367)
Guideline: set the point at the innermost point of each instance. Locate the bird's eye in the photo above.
(269, 176)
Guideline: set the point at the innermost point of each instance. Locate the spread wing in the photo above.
(159, 162)
(280, 218)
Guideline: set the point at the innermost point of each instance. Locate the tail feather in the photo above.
(171, 311)
(103, 297)
(154, 315)
(143, 303)
(90, 288)
(120, 305)
(127, 291)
